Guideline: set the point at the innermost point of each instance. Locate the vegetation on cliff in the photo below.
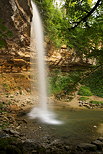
(79, 25)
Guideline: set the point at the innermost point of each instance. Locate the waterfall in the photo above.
(37, 43)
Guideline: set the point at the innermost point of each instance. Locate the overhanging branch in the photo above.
(84, 19)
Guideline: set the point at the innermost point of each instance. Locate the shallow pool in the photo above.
(79, 126)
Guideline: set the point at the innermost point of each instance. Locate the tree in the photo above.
(78, 24)
(85, 11)
(85, 28)
(52, 20)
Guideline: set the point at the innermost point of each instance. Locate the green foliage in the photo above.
(63, 82)
(53, 21)
(3, 28)
(6, 86)
(4, 125)
(5, 33)
(95, 82)
(90, 2)
(4, 142)
(83, 98)
(2, 107)
(9, 33)
(66, 83)
(75, 9)
(2, 43)
(97, 102)
(59, 83)
(84, 91)
(86, 38)
(98, 54)
(4, 110)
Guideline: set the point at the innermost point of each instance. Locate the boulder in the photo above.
(87, 147)
(101, 139)
(99, 144)
(11, 132)
(33, 146)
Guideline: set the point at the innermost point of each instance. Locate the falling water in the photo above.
(42, 112)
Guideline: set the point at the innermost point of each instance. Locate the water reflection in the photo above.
(100, 129)
(80, 126)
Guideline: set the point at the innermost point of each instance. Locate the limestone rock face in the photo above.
(16, 16)
(21, 15)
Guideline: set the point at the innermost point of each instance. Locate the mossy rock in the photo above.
(11, 149)
(96, 102)
(83, 98)
(7, 147)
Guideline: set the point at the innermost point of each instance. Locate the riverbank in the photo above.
(12, 142)
(20, 134)
(77, 104)
(26, 135)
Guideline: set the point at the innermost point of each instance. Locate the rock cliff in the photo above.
(15, 16)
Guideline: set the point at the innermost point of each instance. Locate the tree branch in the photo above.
(88, 14)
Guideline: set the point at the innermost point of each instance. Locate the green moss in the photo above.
(83, 98)
(9, 33)
(3, 28)
(9, 102)
(97, 102)
(6, 146)
(4, 125)
(84, 91)
(19, 88)
(1, 105)
(5, 33)
(2, 43)
(6, 86)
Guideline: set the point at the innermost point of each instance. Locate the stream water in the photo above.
(80, 125)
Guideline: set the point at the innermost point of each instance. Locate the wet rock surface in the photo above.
(87, 147)
(16, 16)
(99, 144)
(28, 146)
(90, 105)
(15, 142)
(21, 135)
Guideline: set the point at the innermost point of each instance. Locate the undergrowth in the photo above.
(84, 91)
(83, 98)
(95, 83)
(63, 82)
(96, 102)
(66, 83)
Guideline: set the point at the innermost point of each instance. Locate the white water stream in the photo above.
(37, 42)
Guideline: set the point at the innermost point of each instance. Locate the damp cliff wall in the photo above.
(15, 15)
